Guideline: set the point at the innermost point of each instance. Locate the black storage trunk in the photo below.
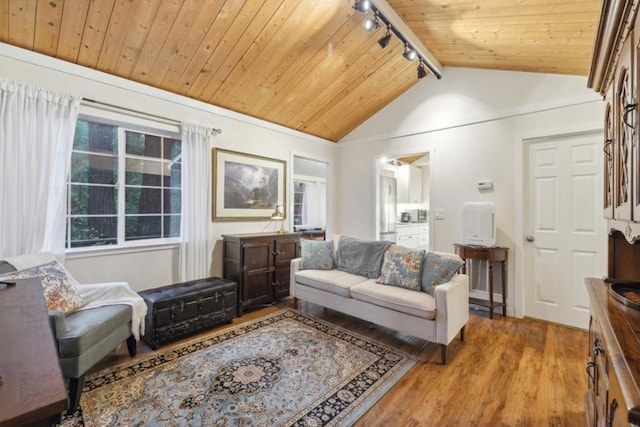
(182, 309)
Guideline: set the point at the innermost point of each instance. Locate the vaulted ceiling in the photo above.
(304, 64)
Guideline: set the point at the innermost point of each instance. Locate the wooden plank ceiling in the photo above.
(304, 64)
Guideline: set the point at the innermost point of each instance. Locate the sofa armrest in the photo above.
(295, 266)
(57, 323)
(452, 307)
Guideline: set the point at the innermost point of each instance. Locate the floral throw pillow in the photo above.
(402, 269)
(59, 293)
(316, 254)
(438, 269)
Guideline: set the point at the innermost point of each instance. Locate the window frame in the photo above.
(124, 122)
(294, 204)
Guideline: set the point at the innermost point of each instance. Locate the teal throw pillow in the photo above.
(437, 269)
(316, 254)
(402, 269)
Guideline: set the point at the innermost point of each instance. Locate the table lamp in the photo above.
(278, 215)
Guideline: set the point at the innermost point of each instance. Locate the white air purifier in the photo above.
(478, 224)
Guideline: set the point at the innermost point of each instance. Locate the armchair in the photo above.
(111, 314)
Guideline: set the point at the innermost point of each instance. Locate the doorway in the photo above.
(310, 196)
(403, 216)
(564, 229)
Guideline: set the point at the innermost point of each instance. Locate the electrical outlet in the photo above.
(438, 214)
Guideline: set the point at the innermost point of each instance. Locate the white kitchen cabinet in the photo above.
(423, 237)
(414, 236)
(409, 184)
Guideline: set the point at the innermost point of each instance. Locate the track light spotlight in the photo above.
(384, 42)
(409, 53)
(421, 71)
(383, 14)
(362, 5)
(371, 24)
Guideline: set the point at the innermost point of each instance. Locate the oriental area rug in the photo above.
(283, 369)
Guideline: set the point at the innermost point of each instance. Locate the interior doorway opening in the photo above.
(309, 202)
(403, 200)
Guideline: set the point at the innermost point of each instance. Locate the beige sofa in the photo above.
(437, 318)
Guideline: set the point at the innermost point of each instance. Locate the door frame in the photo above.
(522, 140)
(377, 166)
(330, 169)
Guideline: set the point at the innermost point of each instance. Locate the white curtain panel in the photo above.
(195, 250)
(314, 211)
(309, 205)
(36, 138)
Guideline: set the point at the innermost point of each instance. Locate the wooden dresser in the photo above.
(260, 264)
(32, 391)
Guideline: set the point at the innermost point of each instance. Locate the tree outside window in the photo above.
(124, 186)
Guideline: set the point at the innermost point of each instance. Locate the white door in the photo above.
(564, 229)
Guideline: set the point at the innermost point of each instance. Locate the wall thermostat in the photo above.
(486, 184)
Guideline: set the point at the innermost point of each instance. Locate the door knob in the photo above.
(530, 238)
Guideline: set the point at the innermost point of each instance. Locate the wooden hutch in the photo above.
(613, 361)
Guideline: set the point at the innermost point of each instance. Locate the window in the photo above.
(309, 203)
(298, 202)
(124, 186)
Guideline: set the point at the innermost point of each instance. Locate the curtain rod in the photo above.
(166, 120)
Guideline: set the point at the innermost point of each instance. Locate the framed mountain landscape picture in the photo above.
(246, 187)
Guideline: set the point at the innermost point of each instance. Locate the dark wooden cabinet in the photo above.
(609, 149)
(260, 264)
(614, 74)
(613, 368)
(613, 364)
(625, 134)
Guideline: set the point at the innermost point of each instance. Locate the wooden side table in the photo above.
(32, 390)
(490, 255)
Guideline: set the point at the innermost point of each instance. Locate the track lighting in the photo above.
(413, 47)
(421, 71)
(384, 41)
(362, 5)
(409, 53)
(371, 24)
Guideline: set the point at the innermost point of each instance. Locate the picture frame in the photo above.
(247, 187)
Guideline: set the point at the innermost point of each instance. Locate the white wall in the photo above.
(157, 266)
(473, 122)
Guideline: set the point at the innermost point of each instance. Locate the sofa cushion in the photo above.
(87, 328)
(438, 268)
(417, 304)
(402, 269)
(334, 281)
(316, 254)
(59, 293)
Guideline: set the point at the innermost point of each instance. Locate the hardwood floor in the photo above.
(507, 372)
